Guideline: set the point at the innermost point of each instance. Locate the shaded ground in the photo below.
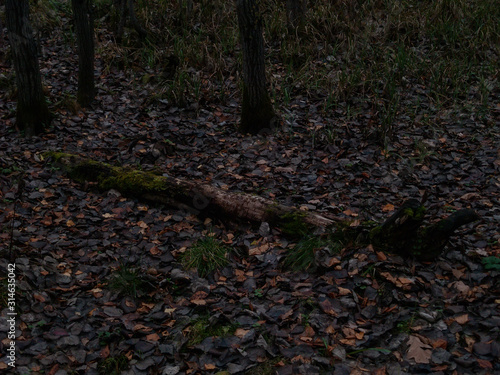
(366, 313)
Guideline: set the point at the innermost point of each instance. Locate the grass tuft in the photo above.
(385, 58)
(206, 255)
(303, 255)
(113, 365)
(128, 281)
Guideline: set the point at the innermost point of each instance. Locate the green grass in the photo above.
(128, 281)
(302, 255)
(406, 325)
(113, 365)
(206, 255)
(364, 56)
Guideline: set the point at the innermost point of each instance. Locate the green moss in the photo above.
(302, 255)
(201, 328)
(56, 156)
(129, 181)
(293, 224)
(375, 232)
(417, 214)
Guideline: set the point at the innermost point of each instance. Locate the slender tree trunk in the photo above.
(84, 26)
(121, 5)
(135, 22)
(32, 112)
(126, 10)
(295, 12)
(257, 113)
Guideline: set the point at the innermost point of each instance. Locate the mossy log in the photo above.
(195, 196)
(402, 233)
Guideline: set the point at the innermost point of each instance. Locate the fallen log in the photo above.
(402, 233)
(198, 197)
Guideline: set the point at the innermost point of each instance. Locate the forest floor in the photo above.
(101, 287)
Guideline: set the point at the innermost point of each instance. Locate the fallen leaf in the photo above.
(483, 363)
(462, 319)
(258, 250)
(240, 332)
(388, 208)
(153, 337)
(440, 343)
(418, 351)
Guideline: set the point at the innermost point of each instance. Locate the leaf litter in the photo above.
(359, 313)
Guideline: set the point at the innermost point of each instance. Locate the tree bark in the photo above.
(401, 233)
(404, 234)
(257, 113)
(84, 26)
(32, 111)
(126, 10)
(195, 196)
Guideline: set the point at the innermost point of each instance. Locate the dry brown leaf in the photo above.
(199, 302)
(344, 291)
(483, 363)
(152, 337)
(440, 343)
(418, 351)
(141, 327)
(240, 332)
(388, 208)
(39, 297)
(462, 319)
(259, 250)
(349, 212)
(330, 330)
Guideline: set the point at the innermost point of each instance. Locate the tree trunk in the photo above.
(295, 12)
(32, 111)
(401, 233)
(257, 113)
(126, 10)
(84, 26)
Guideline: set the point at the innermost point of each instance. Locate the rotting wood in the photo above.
(196, 196)
(402, 233)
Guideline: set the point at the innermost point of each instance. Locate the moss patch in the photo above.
(201, 328)
(294, 225)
